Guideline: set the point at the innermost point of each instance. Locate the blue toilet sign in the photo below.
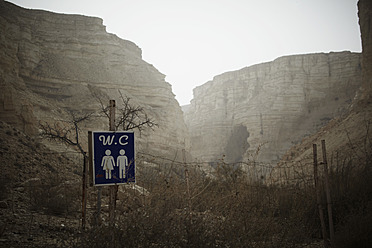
(113, 158)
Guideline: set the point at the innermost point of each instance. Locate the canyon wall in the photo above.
(259, 112)
(348, 138)
(365, 23)
(52, 64)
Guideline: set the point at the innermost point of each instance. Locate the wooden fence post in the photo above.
(187, 186)
(84, 194)
(328, 194)
(113, 188)
(318, 195)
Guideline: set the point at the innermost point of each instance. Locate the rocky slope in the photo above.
(52, 62)
(34, 185)
(271, 106)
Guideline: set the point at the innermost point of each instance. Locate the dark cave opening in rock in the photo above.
(237, 144)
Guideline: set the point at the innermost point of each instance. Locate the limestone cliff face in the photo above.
(348, 139)
(52, 62)
(365, 23)
(271, 106)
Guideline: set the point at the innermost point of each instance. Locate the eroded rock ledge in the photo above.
(270, 106)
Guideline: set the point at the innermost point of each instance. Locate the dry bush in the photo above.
(351, 186)
(4, 185)
(193, 210)
(356, 229)
(186, 208)
(351, 189)
(53, 196)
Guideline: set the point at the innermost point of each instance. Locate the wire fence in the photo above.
(60, 184)
(171, 190)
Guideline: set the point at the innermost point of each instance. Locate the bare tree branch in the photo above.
(104, 108)
(67, 132)
(133, 117)
(130, 117)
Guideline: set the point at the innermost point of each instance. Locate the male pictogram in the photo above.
(122, 163)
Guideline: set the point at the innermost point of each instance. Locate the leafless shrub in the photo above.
(4, 185)
(53, 196)
(186, 208)
(66, 131)
(129, 116)
(351, 186)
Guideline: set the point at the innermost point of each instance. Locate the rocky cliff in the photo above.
(262, 110)
(365, 23)
(348, 138)
(51, 63)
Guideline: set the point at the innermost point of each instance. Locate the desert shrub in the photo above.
(351, 184)
(53, 196)
(356, 229)
(228, 209)
(4, 185)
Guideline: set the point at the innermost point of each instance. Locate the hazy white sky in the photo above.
(191, 41)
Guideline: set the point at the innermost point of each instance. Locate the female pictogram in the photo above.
(108, 163)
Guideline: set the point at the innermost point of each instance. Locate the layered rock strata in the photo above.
(260, 111)
(51, 63)
(365, 23)
(348, 138)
